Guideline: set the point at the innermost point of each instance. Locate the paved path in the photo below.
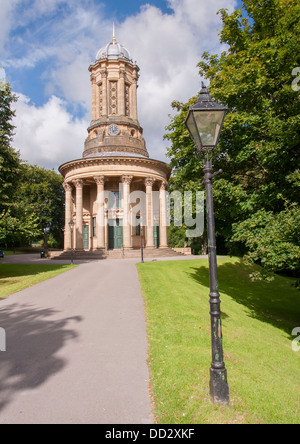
(76, 349)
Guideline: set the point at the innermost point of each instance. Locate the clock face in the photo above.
(113, 130)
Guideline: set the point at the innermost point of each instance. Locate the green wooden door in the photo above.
(85, 237)
(156, 236)
(115, 234)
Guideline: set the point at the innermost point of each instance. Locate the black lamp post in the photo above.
(204, 122)
(71, 225)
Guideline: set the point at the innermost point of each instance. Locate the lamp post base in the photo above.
(219, 390)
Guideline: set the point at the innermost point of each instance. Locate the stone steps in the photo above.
(147, 253)
(80, 255)
(116, 254)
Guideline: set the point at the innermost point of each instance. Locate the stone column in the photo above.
(126, 180)
(121, 93)
(104, 93)
(100, 212)
(94, 93)
(68, 214)
(133, 96)
(98, 86)
(79, 214)
(149, 212)
(163, 225)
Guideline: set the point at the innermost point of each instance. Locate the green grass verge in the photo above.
(12, 253)
(258, 318)
(15, 277)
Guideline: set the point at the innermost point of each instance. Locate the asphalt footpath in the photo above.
(76, 348)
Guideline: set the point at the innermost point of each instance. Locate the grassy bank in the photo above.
(15, 277)
(258, 318)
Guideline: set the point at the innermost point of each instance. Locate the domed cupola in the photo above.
(114, 127)
(113, 51)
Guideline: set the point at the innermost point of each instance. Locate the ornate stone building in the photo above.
(115, 163)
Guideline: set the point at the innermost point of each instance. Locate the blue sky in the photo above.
(46, 47)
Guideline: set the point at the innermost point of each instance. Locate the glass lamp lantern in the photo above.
(205, 120)
(71, 224)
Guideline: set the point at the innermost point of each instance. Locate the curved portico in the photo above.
(88, 183)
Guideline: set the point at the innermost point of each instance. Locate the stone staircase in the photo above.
(147, 253)
(116, 254)
(79, 255)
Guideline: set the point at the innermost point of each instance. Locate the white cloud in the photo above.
(72, 81)
(6, 19)
(167, 48)
(48, 135)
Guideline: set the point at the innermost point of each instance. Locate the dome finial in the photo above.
(114, 34)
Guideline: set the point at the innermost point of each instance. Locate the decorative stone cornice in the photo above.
(160, 168)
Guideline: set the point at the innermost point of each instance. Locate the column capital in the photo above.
(99, 180)
(78, 183)
(163, 185)
(126, 179)
(67, 186)
(149, 181)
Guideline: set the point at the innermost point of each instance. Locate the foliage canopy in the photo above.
(31, 198)
(257, 197)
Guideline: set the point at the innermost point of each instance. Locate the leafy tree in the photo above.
(9, 157)
(31, 198)
(41, 193)
(259, 145)
(18, 229)
(272, 239)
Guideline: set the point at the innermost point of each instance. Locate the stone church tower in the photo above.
(115, 164)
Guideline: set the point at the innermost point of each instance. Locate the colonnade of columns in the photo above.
(102, 218)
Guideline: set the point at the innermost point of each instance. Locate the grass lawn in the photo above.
(15, 277)
(258, 319)
(11, 252)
